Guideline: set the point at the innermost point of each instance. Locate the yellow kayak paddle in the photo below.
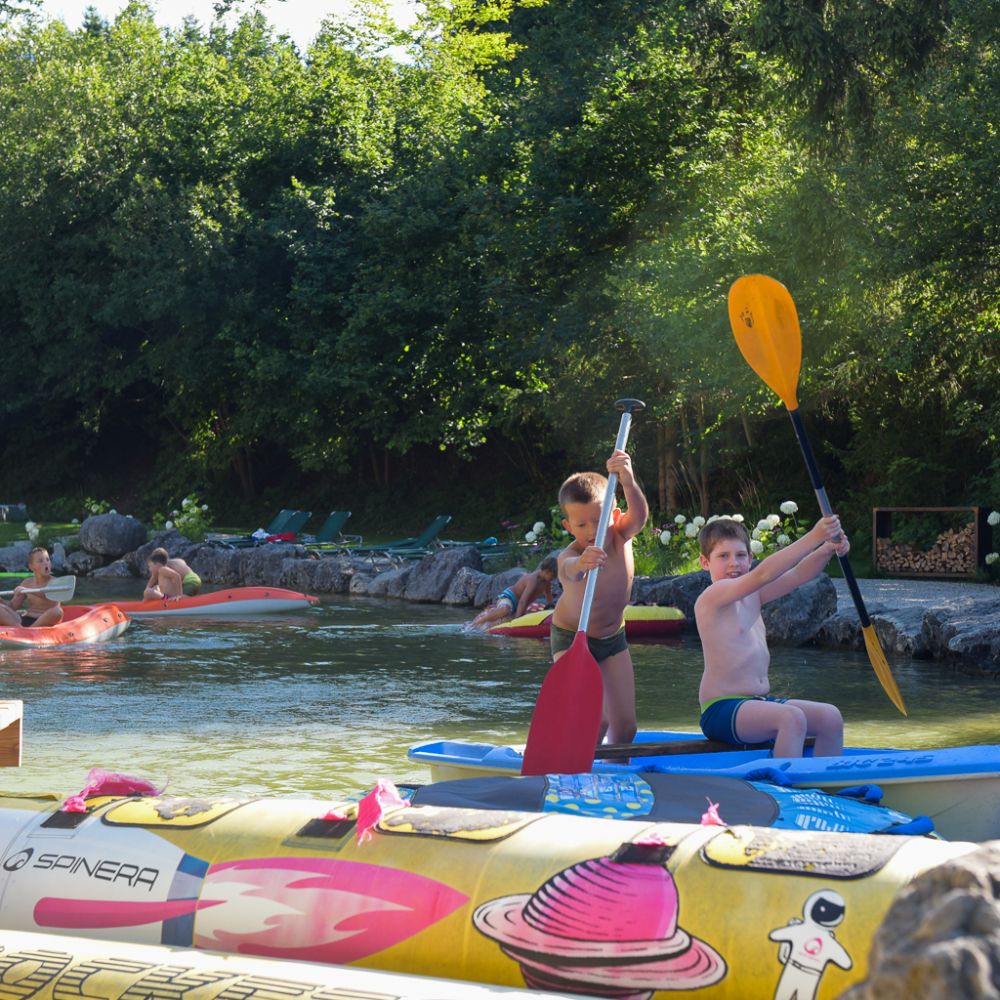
(766, 326)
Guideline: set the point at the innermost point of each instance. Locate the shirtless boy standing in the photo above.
(735, 705)
(163, 582)
(40, 609)
(581, 498)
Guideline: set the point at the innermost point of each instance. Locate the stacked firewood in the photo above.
(954, 553)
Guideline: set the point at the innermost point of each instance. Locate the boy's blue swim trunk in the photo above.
(718, 717)
(507, 595)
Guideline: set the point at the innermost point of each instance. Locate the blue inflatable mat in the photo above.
(676, 798)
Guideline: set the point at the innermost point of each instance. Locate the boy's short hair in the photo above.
(160, 552)
(35, 551)
(582, 487)
(158, 556)
(714, 532)
(550, 565)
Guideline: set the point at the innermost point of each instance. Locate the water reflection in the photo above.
(322, 702)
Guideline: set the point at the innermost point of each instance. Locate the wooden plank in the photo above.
(11, 715)
(669, 748)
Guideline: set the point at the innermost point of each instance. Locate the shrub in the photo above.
(191, 519)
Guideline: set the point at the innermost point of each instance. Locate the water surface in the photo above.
(322, 702)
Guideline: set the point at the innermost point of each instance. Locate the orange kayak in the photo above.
(81, 624)
(239, 601)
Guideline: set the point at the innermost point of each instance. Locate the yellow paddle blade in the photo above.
(881, 667)
(766, 326)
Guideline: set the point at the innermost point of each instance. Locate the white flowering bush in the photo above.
(992, 558)
(191, 519)
(544, 536)
(673, 548)
(92, 507)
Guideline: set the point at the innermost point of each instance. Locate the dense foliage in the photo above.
(402, 259)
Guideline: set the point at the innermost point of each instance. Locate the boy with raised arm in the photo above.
(581, 498)
(735, 704)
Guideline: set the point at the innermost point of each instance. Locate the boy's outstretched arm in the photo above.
(525, 599)
(808, 568)
(634, 519)
(777, 565)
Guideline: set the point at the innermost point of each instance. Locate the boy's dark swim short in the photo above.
(718, 717)
(601, 649)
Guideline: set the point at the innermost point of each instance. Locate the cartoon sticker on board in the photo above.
(317, 909)
(605, 927)
(808, 945)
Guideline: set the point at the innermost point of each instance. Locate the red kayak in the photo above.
(81, 624)
(239, 601)
(642, 621)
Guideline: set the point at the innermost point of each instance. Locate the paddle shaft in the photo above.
(35, 590)
(602, 525)
(827, 511)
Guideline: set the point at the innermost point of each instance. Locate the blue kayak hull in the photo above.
(958, 787)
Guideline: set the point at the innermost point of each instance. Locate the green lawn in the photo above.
(13, 531)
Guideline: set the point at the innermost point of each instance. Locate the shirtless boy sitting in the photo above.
(39, 609)
(735, 705)
(163, 582)
(581, 498)
(190, 581)
(512, 602)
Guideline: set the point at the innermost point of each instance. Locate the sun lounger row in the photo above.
(287, 525)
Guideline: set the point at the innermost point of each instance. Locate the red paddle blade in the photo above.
(563, 734)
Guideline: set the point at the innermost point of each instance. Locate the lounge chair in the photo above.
(295, 524)
(285, 521)
(331, 534)
(410, 548)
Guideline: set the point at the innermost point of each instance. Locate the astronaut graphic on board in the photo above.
(808, 946)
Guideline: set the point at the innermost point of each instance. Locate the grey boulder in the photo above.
(940, 939)
(795, 619)
(111, 535)
(429, 580)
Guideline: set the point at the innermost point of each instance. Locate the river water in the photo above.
(323, 702)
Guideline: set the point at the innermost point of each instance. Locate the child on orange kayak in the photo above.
(513, 602)
(40, 609)
(581, 498)
(190, 581)
(736, 706)
(8, 616)
(164, 582)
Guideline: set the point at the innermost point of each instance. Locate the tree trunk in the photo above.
(673, 477)
(702, 458)
(243, 467)
(662, 473)
(668, 475)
